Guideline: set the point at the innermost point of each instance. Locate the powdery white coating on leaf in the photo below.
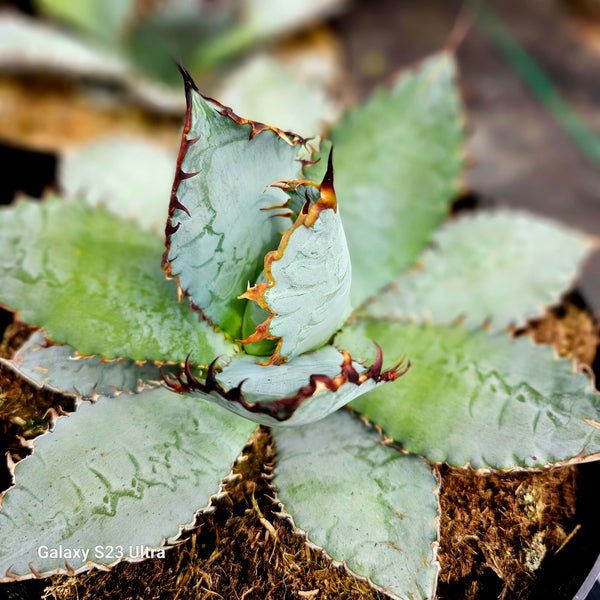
(475, 398)
(306, 389)
(132, 177)
(219, 228)
(311, 295)
(364, 503)
(60, 369)
(498, 267)
(305, 286)
(262, 383)
(124, 472)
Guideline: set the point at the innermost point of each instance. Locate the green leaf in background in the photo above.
(30, 46)
(366, 504)
(124, 471)
(94, 281)
(308, 277)
(106, 19)
(270, 91)
(260, 20)
(219, 227)
(106, 172)
(398, 163)
(57, 367)
(499, 268)
(477, 398)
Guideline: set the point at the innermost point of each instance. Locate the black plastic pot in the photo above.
(590, 589)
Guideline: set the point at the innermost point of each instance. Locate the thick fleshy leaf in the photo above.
(303, 390)
(59, 368)
(124, 472)
(398, 160)
(307, 288)
(364, 503)
(472, 397)
(27, 44)
(94, 281)
(219, 229)
(131, 176)
(497, 267)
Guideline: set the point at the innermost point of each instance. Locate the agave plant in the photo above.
(295, 302)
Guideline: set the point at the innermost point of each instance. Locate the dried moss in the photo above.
(497, 528)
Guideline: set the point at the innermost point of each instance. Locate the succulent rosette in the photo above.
(299, 278)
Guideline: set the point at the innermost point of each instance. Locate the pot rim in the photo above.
(590, 588)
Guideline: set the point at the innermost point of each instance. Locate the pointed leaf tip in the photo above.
(384, 152)
(206, 240)
(305, 285)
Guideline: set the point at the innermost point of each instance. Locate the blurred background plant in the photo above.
(73, 72)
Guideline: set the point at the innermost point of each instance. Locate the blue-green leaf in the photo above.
(123, 472)
(366, 504)
(303, 390)
(132, 177)
(398, 161)
(94, 281)
(220, 227)
(500, 268)
(59, 368)
(306, 288)
(477, 398)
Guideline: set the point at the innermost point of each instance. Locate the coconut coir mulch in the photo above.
(503, 535)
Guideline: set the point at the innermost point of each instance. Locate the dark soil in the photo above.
(509, 535)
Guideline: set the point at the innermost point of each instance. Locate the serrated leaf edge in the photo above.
(282, 409)
(13, 364)
(577, 369)
(166, 543)
(174, 204)
(590, 241)
(308, 217)
(280, 512)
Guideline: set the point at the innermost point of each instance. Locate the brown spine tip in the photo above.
(187, 78)
(348, 370)
(327, 183)
(374, 371)
(283, 408)
(69, 568)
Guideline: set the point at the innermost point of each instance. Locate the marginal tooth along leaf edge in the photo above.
(166, 544)
(307, 217)
(282, 409)
(174, 204)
